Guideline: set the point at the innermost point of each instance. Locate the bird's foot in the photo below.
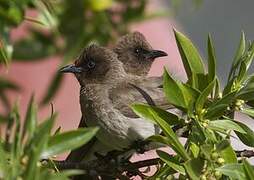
(140, 146)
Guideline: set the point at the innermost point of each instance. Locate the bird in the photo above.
(137, 55)
(105, 96)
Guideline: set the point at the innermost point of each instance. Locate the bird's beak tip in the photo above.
(71, 68)
(157, 53)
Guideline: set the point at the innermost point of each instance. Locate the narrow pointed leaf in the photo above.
(190, 57)
(248, 137)
(211, 60)
(30, 120)
(142, 110)
(171, 162)
(203, 97)
(226, 125)
(240, 50)
(68, 141)
(173, 91)
(38, 143)
(249, 170)
(177, 146)
(249, 112)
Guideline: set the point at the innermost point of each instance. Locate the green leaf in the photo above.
(68, 141)
(30, 120)
(5, 53)
(216, 111)
(31, 50)
(220, 104)
(226, 151)
(191, 59)
(249, 56)
(203, 97)
(177, 146)
(171, 162)
(242, 72)
(194, 168)
(246, 94)
(194, 149)
(38, 143)
(248, 137)
(173, 91)
(211, 60)
(217, 88)
(199, 81)
(248, 111)
(100, 5)
(142, 110)
(239, 53)
(240, 50)
(160, 139)
(234, 171)
(249, 171)
(226, 125)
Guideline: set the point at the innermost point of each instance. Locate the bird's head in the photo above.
(136, 53)
(95, 64)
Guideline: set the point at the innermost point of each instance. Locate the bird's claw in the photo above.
(140, 146)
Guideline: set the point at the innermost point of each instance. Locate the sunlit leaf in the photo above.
(173, 91)
(226, 125)
(190, 57)
(226, 152)
(240, 50)
(143, 111)
(234, 171)
(100, 5)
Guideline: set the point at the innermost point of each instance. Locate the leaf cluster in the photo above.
(207, 117)
(23, 148)
(63, 28)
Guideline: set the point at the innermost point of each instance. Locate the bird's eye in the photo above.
(138, 50)
(91, 64)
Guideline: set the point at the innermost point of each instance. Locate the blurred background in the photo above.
(37, 37)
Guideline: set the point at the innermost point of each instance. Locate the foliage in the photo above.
(63, 28)
(208, 116)
(23, 148)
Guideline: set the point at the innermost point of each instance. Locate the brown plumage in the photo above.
(104, 96)
(137, 55)
(135, 52)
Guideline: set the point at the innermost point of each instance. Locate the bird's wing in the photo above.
(125, 94)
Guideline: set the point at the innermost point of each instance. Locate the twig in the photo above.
(245, 153)
(110, 168)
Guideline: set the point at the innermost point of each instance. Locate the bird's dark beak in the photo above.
(71, 68)
(155, 54)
